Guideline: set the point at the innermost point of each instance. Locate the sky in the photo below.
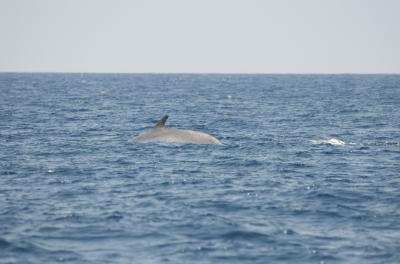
(200, 36)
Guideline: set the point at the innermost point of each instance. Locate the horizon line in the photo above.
(204, 73)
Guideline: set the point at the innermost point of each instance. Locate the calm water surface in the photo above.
(74, 188)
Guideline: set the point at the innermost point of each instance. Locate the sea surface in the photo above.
(309, 169)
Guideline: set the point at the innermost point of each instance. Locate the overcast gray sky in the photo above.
(249, 36)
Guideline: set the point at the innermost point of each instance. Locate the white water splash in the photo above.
(51, 168)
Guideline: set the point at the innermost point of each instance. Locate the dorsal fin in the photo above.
(162, 121)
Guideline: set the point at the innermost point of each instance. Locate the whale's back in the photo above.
(173, 135)
(186, 136)
(160, 133)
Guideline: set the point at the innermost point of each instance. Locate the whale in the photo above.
(332, 141)
(161, 133)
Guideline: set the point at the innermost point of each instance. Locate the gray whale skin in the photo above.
(160, 133)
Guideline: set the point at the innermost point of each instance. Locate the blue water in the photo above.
(75, 188)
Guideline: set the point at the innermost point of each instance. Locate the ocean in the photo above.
(308, 170)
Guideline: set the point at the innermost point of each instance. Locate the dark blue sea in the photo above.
(309, 169)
